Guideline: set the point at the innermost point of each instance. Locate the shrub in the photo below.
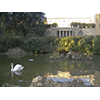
(85, 44)
(40, 45)
(96, 45)
(66, 44)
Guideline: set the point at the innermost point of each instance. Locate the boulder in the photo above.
(80, 57)
(57, 57)
(37, 79)
(32, 85)
(39, 84)
(73, 57)
(62, 56)
(48, 83)
(51, 57)
(67, 56)
(57, 84)
(88, 57)
(16, 50)
(77, 83)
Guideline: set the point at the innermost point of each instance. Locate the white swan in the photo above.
(18, 67)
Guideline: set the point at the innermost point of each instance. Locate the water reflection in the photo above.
(56, 69)
(18, 73)
(66, 76)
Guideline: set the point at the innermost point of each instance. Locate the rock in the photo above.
(62, 56)
(80, 56)
(57, 57)
(39, 84)
(70, 52)
(77, 57)
(67, 56)
(16, 50)
(6, 85)
(77, 83)
(37, 79)
(88, 57)
(32, 85)
(84, 53)
(57, 84)
(73, 57)
(48, 83)
(65, 84)
(51, 57)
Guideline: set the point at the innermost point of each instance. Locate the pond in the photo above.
(58, 70)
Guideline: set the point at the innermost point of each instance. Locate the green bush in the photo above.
(10, 41)
(96, 45)
(39, 45)
(13, 41)
(3, 46)
(85, 44)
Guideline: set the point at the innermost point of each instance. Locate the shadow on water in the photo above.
(62, 70)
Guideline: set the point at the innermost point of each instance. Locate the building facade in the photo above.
(65, 30)
(65, 22)
(69, 31)
(97, 22)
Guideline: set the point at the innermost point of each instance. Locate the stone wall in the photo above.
(75, 31)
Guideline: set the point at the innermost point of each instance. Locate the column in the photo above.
(62, 33)
(59, 33)
(72, 33)
(69, 33)
(66, 33)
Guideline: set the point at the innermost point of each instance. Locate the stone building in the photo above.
(64, 29)
(68, 31)
(97, 22)
(65, 22)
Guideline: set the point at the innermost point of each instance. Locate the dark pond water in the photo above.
(60, 70)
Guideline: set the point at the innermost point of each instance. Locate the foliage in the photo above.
(96, 45)
(39, 45)
(76, 44)
(10, 41)
(85, 44)
(82, 25)
(66, 44)
(22, 22)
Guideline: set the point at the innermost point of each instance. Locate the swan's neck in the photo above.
(12, 68)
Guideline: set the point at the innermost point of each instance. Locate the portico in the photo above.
(64, 32)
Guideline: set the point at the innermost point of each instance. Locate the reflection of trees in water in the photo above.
(75, 65)
(16, 56)
(97, 78)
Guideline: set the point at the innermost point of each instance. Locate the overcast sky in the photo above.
(54, 8)
(72, 8)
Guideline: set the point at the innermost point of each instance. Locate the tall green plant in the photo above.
(96, 45)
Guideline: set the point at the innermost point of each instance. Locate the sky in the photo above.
(54, 8)
(73, 8)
